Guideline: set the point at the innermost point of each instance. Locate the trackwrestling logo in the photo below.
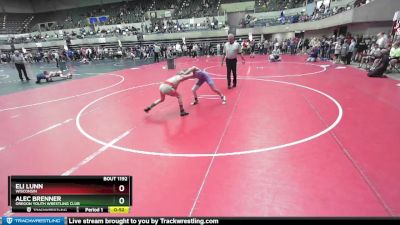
(33, 220)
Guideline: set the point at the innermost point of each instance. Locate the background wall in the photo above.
(366, 29)
(16, 6)
(238, 7)
(378, 10)
(282, 36)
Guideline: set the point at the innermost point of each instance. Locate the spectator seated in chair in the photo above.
(369, 57)
(394, 56)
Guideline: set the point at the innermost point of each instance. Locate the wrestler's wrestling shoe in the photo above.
(147, 109)
(223, 99)
(183, 113)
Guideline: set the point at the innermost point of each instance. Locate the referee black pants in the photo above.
(156, 57)
(231, 67)
(20, 68)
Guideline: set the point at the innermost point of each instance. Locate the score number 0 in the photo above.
(121, 188)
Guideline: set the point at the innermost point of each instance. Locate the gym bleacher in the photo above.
(15, 22)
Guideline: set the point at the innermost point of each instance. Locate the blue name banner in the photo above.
(32, 220)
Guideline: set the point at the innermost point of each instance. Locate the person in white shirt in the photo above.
(18, 59)
(178, 49)
(56, 57)
(382, 40)
(157, 50)
(338, 48)
(275, 56)
(351, 51)
(231, 50)
(89, 53)
(100, 53)
(370, 57)
(194, 50)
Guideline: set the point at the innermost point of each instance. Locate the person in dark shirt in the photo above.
(382, 65)
(361, 50)
(313, 55)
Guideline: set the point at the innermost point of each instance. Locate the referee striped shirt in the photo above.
(231, 50)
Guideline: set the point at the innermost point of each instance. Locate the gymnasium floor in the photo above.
(294, 139)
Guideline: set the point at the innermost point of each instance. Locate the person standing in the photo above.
(157, 51)
(337, 50)
(352, 49)
(344, 51)
(231, 50)
(56, 57)
(170, 87)
(266, 47)
(19, 61)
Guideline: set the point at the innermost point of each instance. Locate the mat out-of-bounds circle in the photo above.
(118, 64)
(68, 97)
(271, 148)
(266, 64)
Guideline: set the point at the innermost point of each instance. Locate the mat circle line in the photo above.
(192, 155)
(69, 97)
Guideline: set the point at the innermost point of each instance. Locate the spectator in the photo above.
(382, 64)
(370, 56)
(351, 51)
(394, 55)
(382, 40)
(361, 49)
(344, 51)
(313, 54)
(338, 48)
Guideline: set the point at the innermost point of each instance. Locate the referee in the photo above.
(19, 61)
(157, 51)
(231, 50)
